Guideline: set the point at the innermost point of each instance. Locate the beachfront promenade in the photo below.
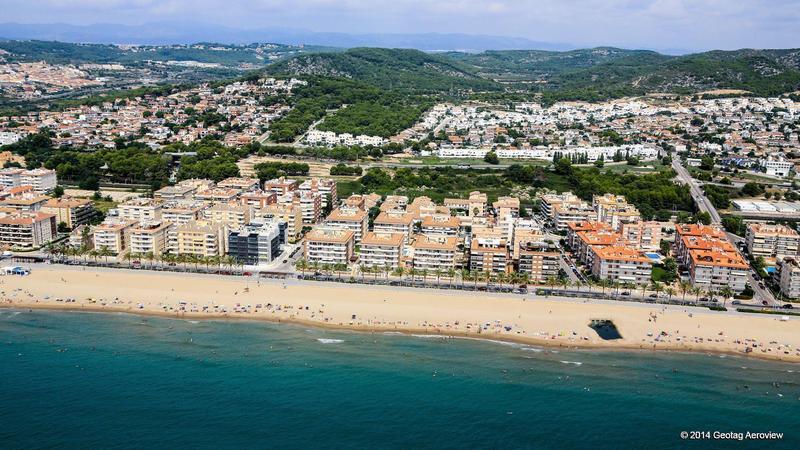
(529, 318)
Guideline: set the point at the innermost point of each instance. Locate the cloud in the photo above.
(693, 24)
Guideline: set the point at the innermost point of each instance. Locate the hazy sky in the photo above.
(689, 24)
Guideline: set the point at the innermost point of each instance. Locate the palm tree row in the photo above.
(85, 253)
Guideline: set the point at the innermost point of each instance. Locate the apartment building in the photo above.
(440, 225)
(789, 269)
(281, 186)
(255, 244)
(329, 246)
(141, 210)
(642, 235)
(394, 221)
(614, 210)
(506, 204)
(349, 218)
(218, 195)
(25, 202)
(772, 241)
(687, 234)
(475, 205)
(71, 211)
(43, 181)
(538, 259)
(573, 228)
(715, 269)
(565, 213)
(290, 214)
(621, 264)
(150, 237)
(242, 184)
(432, 252)
(489, 254)
(380, 249)
(201, 238)
(27, 230)
(11, 177)
(175, 193)
(230, 215)
(113, 234)
(258, 199)
(325, 188)
(548, 202)
(589, 242)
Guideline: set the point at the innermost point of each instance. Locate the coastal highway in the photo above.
(705, 204)
(697, 192)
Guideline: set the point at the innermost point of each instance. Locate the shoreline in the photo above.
(542, 322)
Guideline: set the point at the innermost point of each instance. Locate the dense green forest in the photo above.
(392, 110)
(395, 69)
(374, 118)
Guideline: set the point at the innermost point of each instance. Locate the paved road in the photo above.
(697, 192)
(705, 204)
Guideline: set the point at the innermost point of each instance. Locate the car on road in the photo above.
(788, 306)
(626, 293)
(764, 302)
(736, 302)
(703, 299)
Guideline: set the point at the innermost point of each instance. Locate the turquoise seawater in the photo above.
(81, 380)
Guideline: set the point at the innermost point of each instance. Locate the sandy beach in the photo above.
(526, 319)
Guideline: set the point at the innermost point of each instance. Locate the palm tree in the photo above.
(655, 286)
(451, 273)
(398, 272)
(684, 287)
(551, 282)
(150, 257)
(438, 274)
(726, 293)
(302, 264)
(670, 292)
(362, 269)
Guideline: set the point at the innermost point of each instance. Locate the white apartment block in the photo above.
(150, 237)
(622, 265)
(434, 252)
(141, 210)
(382, 250)
(772, 241)
(329, 246)
(349, 218)
(790, 277)
(113, 234)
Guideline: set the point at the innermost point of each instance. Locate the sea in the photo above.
(96, 380)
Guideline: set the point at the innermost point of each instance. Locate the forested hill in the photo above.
(610, 72)
(514, 65)
(401, 69)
